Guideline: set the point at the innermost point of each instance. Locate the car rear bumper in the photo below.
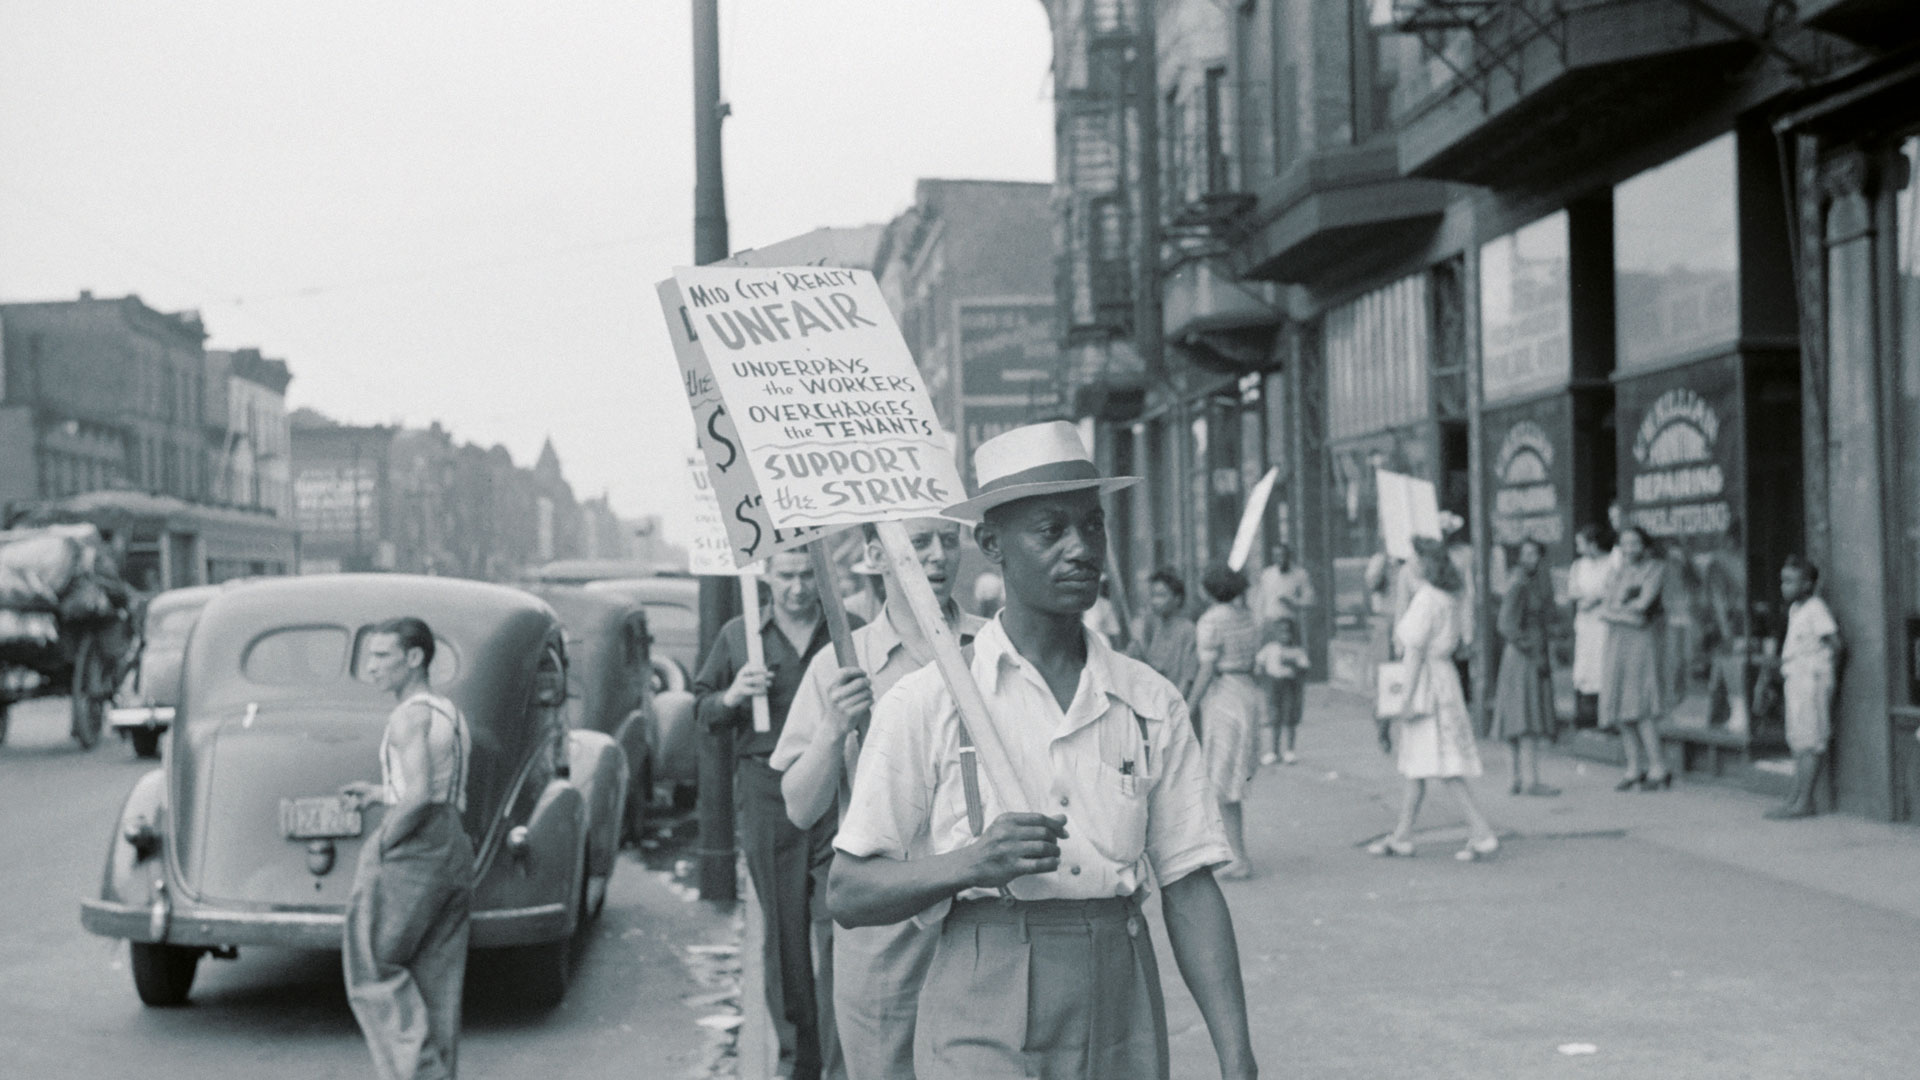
(299, 929)
(151, 717)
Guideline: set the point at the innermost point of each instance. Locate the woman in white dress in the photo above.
(1434, 732)
(1587, 585)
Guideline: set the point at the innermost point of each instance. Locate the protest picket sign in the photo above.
(835, 425)
(710, 554)
(835, 422)
(1250, 519)
(750, 531)
(1408, 508)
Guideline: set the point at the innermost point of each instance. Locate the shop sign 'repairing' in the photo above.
(1679, 485)
(830, 413)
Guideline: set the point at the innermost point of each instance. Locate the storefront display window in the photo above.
(1682, 476)
(1676, 252)
(1907, 308)
(1526, 310)
(1376, 358)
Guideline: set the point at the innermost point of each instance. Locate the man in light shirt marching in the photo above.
(1094, 784)
(876, 970)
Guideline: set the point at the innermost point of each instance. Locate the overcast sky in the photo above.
(456, 211)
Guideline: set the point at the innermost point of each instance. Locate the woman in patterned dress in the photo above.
(1633, 696)
(1227, 704)
(1434, 732)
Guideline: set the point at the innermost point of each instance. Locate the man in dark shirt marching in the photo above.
(779, 856)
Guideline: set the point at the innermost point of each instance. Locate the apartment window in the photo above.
(1215, 119)
(1174, 164)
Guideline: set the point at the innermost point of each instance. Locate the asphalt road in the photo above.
(657, 963)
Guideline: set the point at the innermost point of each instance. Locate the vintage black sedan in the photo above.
(242, 839)
(672, 604)
(610, 680)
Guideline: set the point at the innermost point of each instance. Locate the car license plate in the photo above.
(319, 817)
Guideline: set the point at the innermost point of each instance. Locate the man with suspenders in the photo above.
(876, 970)
(1093, 781)
(405, 943)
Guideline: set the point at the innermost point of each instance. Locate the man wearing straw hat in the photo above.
(876, 970)
(1093, 781)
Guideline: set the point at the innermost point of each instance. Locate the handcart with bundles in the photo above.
(64, 622)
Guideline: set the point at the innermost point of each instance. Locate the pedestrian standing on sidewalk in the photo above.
(779, 856)
(1523, 710)
(1633, 687)
(1284, 590)
(1045, 965)
(1165, 640)
(1809, 656)
(1433, 732)
(1283, 664)
(1587, 586)
(1225, 702)
(875, 970)
(404, 944)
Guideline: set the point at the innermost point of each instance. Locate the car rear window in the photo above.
(671, 617)
(297, 656)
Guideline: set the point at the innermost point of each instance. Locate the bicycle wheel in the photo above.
(88, 692)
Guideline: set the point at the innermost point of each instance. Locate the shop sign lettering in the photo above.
(1526, 505)
(1680, 486)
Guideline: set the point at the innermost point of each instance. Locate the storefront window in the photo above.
(1525, 311)
(1376, 359)
(1907, 306)
(1676, 252)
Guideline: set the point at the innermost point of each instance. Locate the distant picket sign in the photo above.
(815, 379)
(709, 550)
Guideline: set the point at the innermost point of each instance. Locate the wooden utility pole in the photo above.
(719, 596)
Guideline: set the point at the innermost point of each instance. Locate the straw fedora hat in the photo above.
(1039, 459)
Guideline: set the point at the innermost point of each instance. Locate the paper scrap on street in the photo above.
(832, 416)
(1578, 1049)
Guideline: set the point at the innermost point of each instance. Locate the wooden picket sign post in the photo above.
(912, 583)
(756, 649)
(830, 605)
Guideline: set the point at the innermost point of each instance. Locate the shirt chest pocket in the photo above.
(1114, 785)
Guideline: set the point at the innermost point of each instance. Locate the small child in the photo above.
(1809, 656)
(1283, 663)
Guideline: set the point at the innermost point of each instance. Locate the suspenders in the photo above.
(970, 763)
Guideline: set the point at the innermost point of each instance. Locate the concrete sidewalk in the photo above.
(1677, 933)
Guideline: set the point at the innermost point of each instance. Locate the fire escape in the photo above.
(1098, 250)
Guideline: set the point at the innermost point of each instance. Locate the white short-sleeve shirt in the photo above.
(1808, 622)
(1121, 763)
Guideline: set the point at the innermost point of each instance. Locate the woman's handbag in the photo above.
(1391, 689)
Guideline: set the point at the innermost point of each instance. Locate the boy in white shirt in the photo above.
(1809, 656)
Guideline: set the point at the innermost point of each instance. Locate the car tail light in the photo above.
(143, 839)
